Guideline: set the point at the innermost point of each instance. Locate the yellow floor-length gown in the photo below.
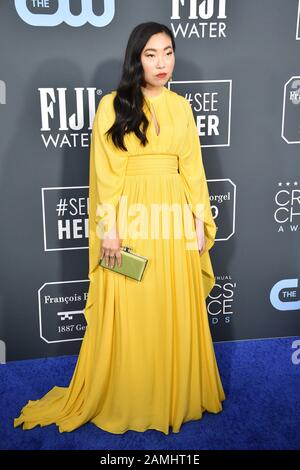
(147, 359)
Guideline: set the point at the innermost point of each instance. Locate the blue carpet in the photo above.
(261, 410)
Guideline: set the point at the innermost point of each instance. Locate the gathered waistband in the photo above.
(152, 164)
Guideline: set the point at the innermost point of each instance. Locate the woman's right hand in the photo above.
(110, 250)
(200, 235)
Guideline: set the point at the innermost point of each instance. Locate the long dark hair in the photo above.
(129, 100)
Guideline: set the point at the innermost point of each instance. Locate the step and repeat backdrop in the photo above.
(238, 64)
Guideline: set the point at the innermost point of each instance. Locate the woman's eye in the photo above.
(152, 55)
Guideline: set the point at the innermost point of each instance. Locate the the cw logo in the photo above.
(63, 14)
(287, 289)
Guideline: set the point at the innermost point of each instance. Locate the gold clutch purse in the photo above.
(132, 264)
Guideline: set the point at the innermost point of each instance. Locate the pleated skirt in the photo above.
(147, 359)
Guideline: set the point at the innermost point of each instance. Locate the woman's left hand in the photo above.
(200, 235)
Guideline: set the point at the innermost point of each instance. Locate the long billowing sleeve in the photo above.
(196, 191)
(106, 179)
(194, 178)
(109, 163)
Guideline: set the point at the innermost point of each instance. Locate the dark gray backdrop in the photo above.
(238, 62)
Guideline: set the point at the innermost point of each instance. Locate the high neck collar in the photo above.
(154, 98)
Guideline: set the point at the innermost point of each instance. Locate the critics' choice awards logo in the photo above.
(287, 209)
(63, 116)
(61, 310)
(199, 18)
(285, 295)
(53, 13)
(220, 302)
(291, 111)
(211, 104)
(65, 218)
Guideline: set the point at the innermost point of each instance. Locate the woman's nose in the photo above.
(160, 63)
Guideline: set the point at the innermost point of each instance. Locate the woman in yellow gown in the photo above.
(147, 359)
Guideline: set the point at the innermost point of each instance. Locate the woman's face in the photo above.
(158, 58)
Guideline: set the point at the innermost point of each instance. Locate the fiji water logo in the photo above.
(61, 127)
(63, 13)
(284, 295)
(199, 18)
